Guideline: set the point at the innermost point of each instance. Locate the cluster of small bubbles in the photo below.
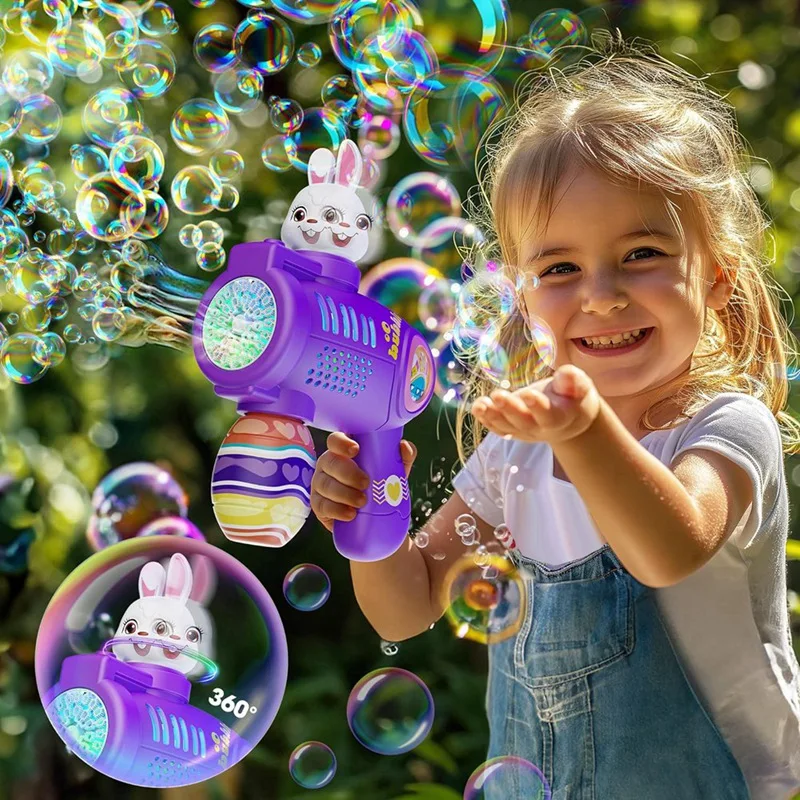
(507, 776)
(206, 238)
(390, 711)
(130, 497)
(389, 648)
(312, 765)
(306, 587)
(467, 529)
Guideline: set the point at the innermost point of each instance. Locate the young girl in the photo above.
(643, 480)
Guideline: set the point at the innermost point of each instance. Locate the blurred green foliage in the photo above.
(62, 434)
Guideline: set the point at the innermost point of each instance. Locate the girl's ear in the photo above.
(151, 580)
(320, 166)
(179, 578)
(348, 164)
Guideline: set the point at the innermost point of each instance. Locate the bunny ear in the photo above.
(151, 580)
(179, 578)
(320, 166)
(204, 579)
(348, 164)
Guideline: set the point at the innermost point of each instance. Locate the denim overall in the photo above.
(592, 693)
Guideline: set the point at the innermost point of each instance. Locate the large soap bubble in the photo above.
(140, 677)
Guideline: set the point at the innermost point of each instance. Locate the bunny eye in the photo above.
(330, 214)
(299, 214)
(161, 628)
(192, 635)
(129, 627)
(363, 222)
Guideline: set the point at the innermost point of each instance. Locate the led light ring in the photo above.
(212, 670)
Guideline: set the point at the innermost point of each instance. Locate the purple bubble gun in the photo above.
(285, 334)
(134, 723)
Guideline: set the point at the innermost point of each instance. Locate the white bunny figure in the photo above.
(166, 610)
(329, 215)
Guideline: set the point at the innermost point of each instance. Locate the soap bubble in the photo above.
(312, 765)
(390, 711)
(306, 587)
(172, 526)
(128, 498)
(264, 42)
(199, 126)
(505, 777)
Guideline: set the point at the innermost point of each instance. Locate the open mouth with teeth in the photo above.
(143, 650)
(310, 237)
(340, 240)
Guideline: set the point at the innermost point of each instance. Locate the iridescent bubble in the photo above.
(238, 91)
(309, 54)
(308, 12)
(321, 127)
(207, 232)
(50, 350)
(350, 27)
(39, 19)
(61, 243)
(451, 374)
(106, 111)
(130, 497)
(390, 711)
(186, 235)
(196, 190)
(507, 776)
(227, 165)
(76, 49)
(199, 126)
(172, 526)
(158, 20)
(306, 587)
(264, 42)
(28, 278)
(41, 119)
(156, 216)
(286, 115)
(6, 179)
(229, 198)
(118, 28)
(340, 94)
(137, 160)
(442, 243)
(444, 122)
(312, 765)
(482, 36)
(213, 47)
(109, 324)
(88, 160)
(398, 284)
(148, 70)
(484, 601)
(10, 114)
(274, 153)
(436, 305)
(210, 257)
(27, 72)
(202, 3)
(381, 136)
(108, 210)
(17, 359)
(556, 27)
(36, 318)
(418, 200)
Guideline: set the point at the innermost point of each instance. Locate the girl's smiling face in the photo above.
(612, 275)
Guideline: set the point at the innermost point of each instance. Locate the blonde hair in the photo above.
(637, 119)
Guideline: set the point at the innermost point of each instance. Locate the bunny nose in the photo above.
(173, 636)
(142, 633)
(344, 224)
(312, 221)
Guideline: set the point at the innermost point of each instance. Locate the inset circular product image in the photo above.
(161, 661)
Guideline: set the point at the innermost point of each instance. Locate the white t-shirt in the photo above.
(729, 621)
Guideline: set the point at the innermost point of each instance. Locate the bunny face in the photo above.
(165, 611)
(328, 215)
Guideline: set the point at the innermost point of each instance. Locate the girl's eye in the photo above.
(638, 250)
(192, 635)
(161, 628)
(363, 222)
(330, 215)
(130, 626)
(299, 214)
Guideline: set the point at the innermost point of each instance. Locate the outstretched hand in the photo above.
(552, 410)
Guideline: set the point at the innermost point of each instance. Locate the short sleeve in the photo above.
(479, 482)
(743, 429)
